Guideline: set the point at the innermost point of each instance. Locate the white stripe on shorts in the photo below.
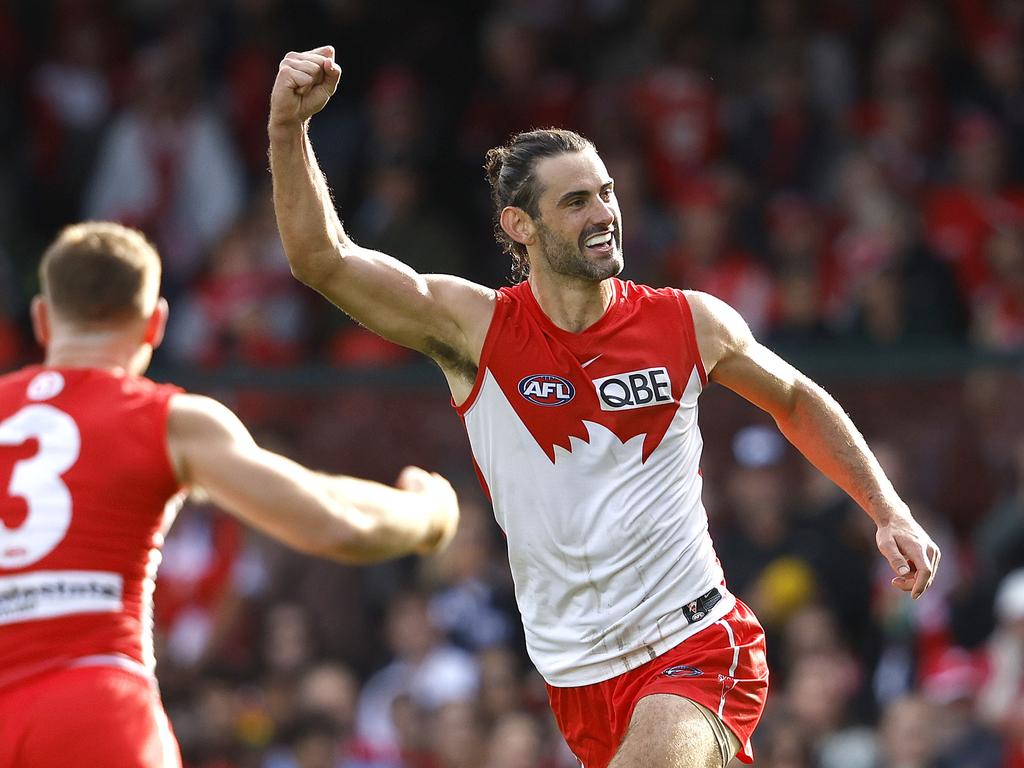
(735, 660)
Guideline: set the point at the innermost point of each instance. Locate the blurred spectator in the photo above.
(674, 103)
(999, 304)
(1001, 699)
(396, 217)
(893, 288)
(167, 165)
(999, 89)
(519, 86)
(951, 686)
(760, 552)
(782, 139)
(515, 743)
(457, 736)
(999, 539)
(908, 737)
(797, 241)
(245, 309)
(73, 96)
(961, 217)
(425, 670)
(207, 572)
(467, 603)
(817, 698)
(707, 258)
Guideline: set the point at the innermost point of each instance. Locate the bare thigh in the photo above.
(668, 731)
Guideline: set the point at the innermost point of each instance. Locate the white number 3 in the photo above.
(38, 481)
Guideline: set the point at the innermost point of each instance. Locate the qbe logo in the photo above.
(634, 389)
(547, 389)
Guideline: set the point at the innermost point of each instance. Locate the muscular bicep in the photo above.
(440, 315)
(213, 451)
(736, 360)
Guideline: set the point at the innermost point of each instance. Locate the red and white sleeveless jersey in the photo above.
(86, 492)
(588, 446)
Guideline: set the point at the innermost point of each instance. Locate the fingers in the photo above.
(332, 73)
(914, 558)
(413, 479)
(890, 551)
(304, 71)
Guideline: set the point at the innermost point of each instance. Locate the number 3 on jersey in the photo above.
(38, 481)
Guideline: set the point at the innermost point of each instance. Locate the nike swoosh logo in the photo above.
(590, 361)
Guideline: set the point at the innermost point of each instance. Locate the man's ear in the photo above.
(40, 312)
(157, 324)
(518, 225)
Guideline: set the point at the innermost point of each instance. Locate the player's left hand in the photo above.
(910, 551)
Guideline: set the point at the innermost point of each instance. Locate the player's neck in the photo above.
(100, 350)
(572, 304)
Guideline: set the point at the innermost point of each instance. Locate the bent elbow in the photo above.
(314, 267)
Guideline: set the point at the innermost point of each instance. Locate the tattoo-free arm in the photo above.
(819, 428)
(350, 520)
(440, 315)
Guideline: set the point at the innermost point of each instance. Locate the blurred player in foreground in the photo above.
(579, 392)
(94, 462)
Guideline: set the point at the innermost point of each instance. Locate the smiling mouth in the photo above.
(601, 242)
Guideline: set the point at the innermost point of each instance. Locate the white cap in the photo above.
(1010, 597)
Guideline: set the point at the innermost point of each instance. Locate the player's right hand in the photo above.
(305, 83)
(442, 505)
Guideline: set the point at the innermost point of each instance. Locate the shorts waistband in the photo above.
(697, 609)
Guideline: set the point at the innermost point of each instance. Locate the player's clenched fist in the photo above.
(441, 503)
(305, 83)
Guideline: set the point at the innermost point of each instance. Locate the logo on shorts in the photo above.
(547, 389)
(682, 671)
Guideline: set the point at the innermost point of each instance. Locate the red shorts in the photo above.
(91, 715)
(722, 667)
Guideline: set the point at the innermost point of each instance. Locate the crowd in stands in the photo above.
(849, 174)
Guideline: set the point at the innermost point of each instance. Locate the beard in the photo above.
(568, 258)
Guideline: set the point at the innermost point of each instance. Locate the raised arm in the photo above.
(440, 315)
(350, 520)
(819, 428)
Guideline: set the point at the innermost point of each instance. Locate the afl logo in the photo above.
(547, 389)
(45, 386)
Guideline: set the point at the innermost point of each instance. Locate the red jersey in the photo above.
(87, 490)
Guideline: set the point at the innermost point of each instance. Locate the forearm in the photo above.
(819, 428)
(311, 231)
(388, 522)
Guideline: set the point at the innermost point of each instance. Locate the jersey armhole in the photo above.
(165, 416)
(501, 303)
(690, 333)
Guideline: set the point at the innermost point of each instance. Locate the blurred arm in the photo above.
(353, 521)
(819, 428)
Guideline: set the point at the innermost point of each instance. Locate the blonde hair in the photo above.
(97, 272)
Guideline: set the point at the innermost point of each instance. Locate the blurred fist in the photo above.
(441, 504)
(305, 83)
